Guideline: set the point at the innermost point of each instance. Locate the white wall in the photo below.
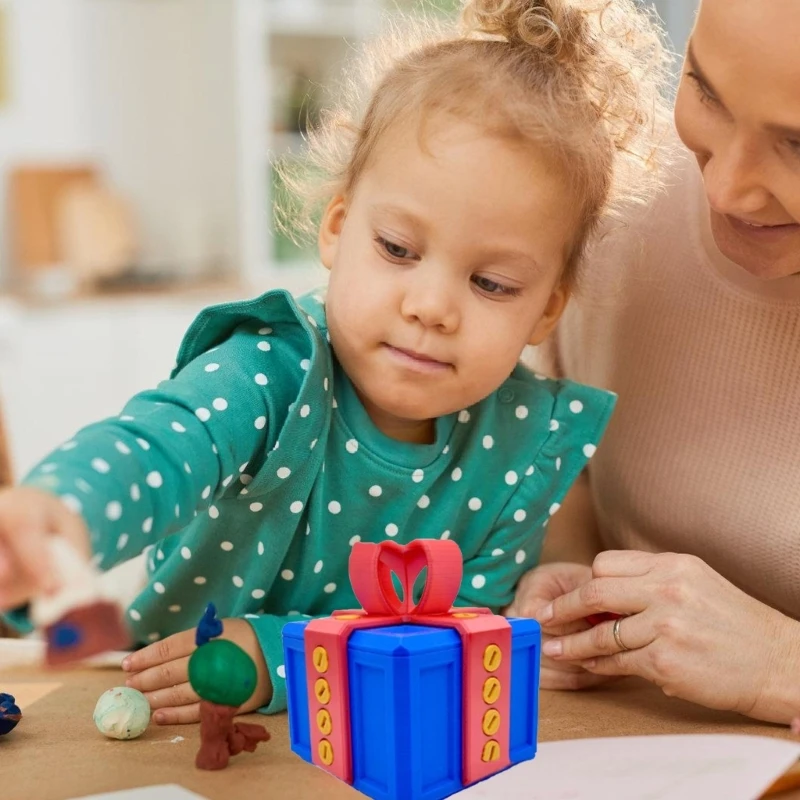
(160, 83)
(45, 119)
(678, 16)
(147, 87)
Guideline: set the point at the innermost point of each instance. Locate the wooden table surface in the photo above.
(56, 753)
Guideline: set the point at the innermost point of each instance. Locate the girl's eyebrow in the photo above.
(391, 209)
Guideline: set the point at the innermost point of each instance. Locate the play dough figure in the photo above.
(225, 677)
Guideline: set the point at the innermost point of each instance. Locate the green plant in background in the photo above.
(445, 6)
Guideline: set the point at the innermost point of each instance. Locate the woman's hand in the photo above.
(535, 591)
(689, 631)
(161, 672)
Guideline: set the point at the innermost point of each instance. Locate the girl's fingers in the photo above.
(172, 697)
(164, 676)
(560, 680)
(180, 715)
(173, 648)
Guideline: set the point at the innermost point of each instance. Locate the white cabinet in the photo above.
(62, 368)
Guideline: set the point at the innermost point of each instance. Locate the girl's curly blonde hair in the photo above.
(584, 79)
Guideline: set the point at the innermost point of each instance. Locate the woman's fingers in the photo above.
(623, 563)
(633, 633)
(621, 595)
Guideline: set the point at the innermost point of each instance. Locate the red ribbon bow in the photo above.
(372, 566)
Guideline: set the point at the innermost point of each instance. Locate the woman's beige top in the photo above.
(703, 453)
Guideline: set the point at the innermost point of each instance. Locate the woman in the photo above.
(695, 492)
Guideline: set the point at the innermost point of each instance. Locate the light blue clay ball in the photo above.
(122, 713)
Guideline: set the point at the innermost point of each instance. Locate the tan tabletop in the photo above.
(56, 752)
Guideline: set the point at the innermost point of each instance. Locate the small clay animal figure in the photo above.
(10, 713)
(224, 677)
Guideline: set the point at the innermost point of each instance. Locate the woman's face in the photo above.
(738, 110)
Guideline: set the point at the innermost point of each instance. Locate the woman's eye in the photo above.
(394, 250)
(493, 287)
(705, 96)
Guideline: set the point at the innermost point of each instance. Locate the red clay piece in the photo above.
(84, 632)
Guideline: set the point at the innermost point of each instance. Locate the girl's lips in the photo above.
(418, 360)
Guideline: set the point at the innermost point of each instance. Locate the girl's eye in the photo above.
(705, 96)
(493, 287)
(395, 251)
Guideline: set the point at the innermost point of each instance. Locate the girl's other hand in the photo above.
(28, 517)
(161, 673)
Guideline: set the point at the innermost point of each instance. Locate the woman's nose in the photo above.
(735, 182)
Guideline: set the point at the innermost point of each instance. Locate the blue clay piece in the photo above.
(10, 713)
(208, 627)
(65, 635)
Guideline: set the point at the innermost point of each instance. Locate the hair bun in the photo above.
(555, 28)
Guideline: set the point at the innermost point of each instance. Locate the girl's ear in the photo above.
(331, 229)
(552, 313)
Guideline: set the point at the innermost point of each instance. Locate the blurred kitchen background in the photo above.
(137, 139)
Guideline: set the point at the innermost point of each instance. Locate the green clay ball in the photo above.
(221, 672)
(122, 713)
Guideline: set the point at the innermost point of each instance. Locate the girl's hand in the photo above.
(161, 672)
(28, 517)
(689, 631)
(535, 591)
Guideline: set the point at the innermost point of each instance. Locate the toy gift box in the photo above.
(412, 702)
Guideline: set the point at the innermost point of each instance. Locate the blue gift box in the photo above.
(406, 694)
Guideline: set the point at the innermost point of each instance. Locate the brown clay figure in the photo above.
(224, 677)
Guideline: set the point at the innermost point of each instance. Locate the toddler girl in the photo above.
(458, 204)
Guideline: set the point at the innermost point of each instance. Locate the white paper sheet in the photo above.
(690, 767)
(164, 792)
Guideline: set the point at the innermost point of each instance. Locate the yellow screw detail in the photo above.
(491, 751)
(326, 752)
(325, 723)
(320, 658)
(491, 691)
(491, 722)
(465, 615)
(347, 616)
(492, 656)
(322, 691)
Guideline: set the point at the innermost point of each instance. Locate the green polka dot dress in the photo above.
(248, 475)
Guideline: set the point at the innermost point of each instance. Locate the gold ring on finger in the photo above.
(618, 635)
